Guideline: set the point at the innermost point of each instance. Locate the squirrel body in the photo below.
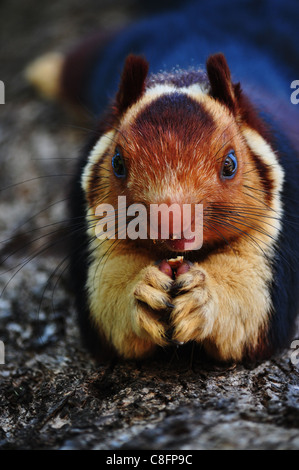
(174, 139)
(186, 136)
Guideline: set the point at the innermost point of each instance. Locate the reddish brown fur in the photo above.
(151, 142)
(232, 96)
(77, 63)
(247, 113)
(265, 178)
(220, 80)
(132, 83)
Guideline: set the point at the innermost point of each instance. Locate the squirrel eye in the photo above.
(229, 166)
(118, 164)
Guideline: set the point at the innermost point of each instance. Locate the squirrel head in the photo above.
(183, 139)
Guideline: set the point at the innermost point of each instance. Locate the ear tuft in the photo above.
(132, 84)
(220, 81)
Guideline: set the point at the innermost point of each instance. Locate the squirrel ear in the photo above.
(132, 83)
(219, 76)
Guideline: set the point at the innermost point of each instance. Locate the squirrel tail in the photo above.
(65, 77)
(44, 73)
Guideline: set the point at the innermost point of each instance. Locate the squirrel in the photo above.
(185, 136)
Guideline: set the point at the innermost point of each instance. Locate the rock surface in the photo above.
(52, 394)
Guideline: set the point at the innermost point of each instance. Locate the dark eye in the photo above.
(118, 164)
(230, 165)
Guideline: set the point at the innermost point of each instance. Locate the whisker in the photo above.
(35, 179)
(234, 229)
(212, 227)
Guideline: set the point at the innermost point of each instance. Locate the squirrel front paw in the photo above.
(195, 306)
(174, 306)
(153, 304)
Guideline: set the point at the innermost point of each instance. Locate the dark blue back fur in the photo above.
(285, 286)
(259, 39)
